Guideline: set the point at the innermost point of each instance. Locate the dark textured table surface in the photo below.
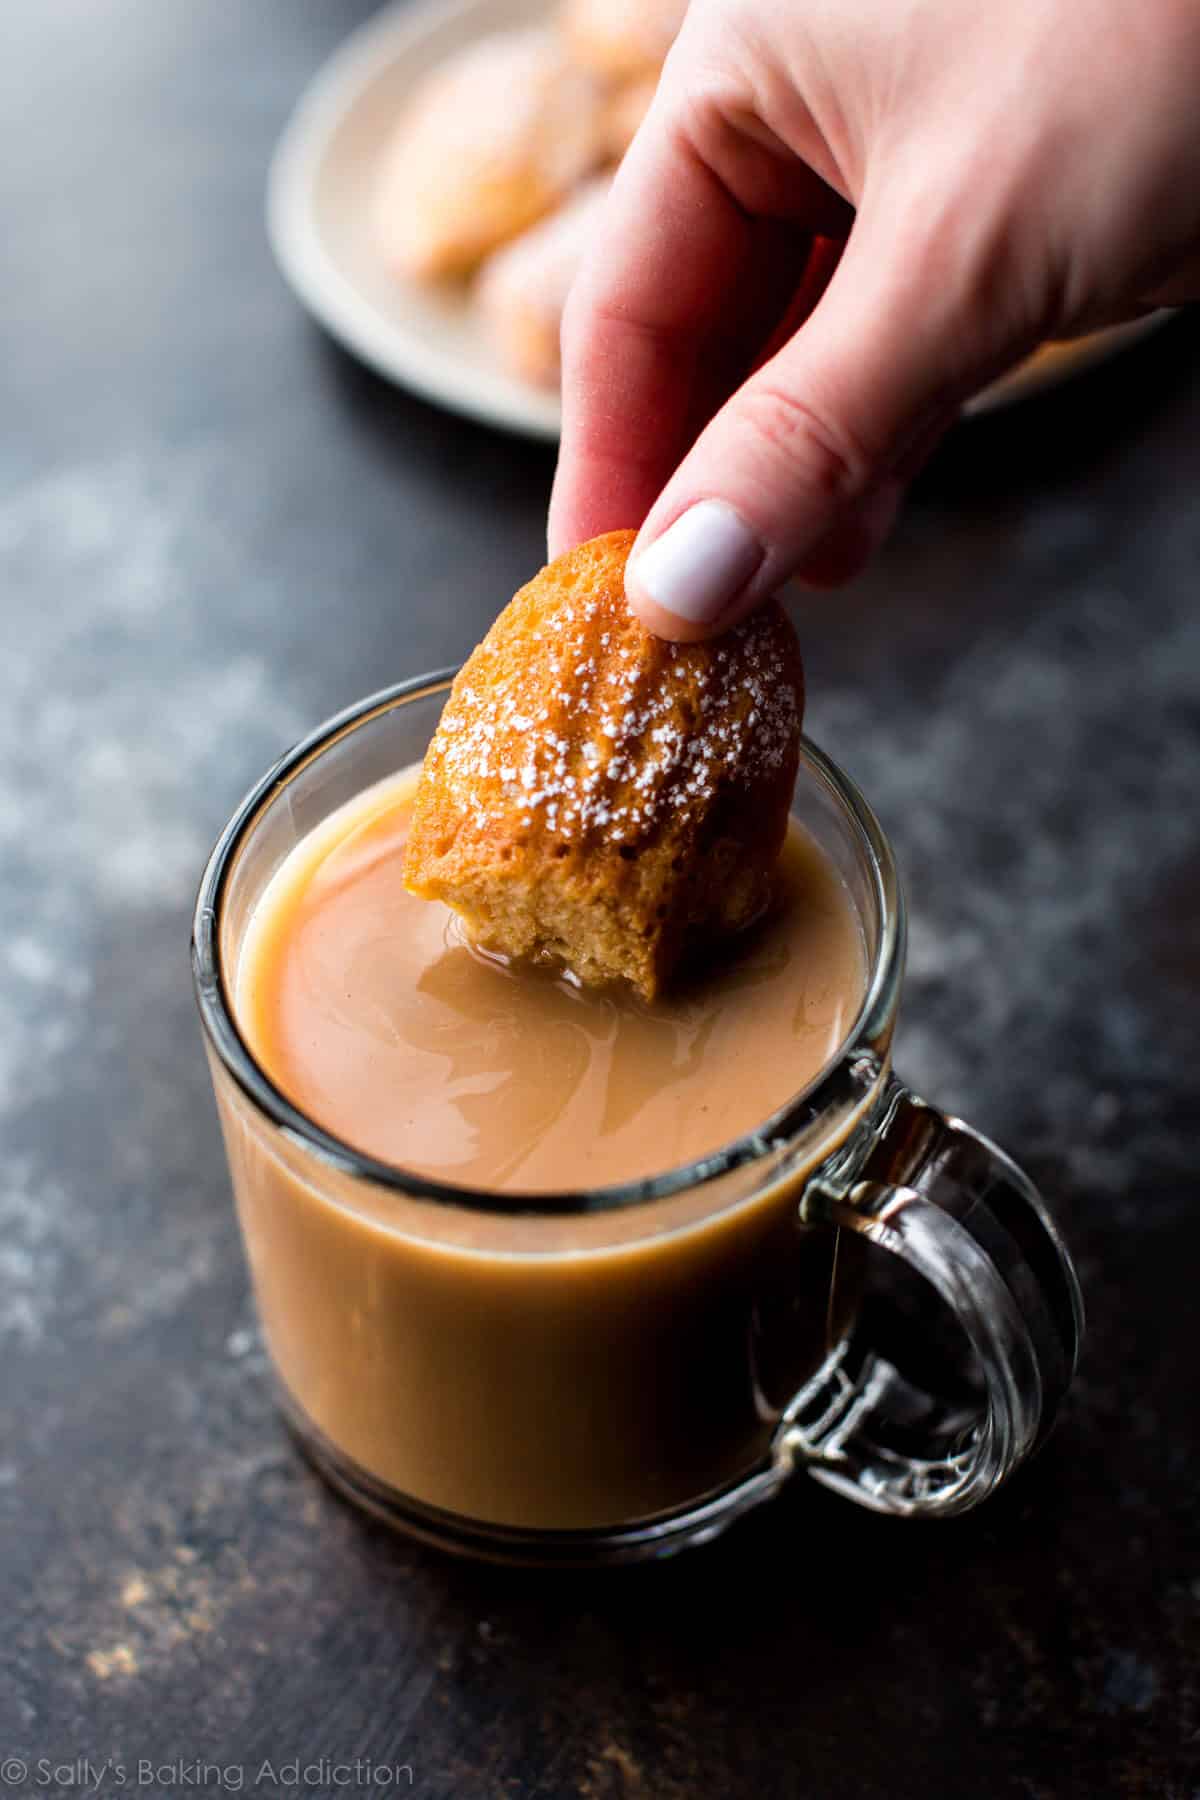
(215, 529)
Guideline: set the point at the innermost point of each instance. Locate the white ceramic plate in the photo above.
(428, 338)
(318, 216)
(1056, 363)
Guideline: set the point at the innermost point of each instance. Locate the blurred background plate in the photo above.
(1055, 363)
(318, 216)
(428, 338)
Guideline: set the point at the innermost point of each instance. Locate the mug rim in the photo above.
(840, 1080)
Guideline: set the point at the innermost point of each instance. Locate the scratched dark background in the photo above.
(215, 529)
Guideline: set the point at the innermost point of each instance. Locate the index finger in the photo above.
(680, 288)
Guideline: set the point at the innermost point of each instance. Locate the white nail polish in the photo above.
(699, 564)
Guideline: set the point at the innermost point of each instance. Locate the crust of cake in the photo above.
(601, 799)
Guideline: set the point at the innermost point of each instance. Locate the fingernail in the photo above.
(698, 565)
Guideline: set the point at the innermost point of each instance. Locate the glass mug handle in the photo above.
(959, 1213)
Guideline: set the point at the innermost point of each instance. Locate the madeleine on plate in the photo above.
(492, 140)
(621, 39)
(523, 288)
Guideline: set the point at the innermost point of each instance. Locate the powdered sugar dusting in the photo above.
(599, 730)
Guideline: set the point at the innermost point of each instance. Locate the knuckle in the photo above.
(979, 259)
(823, 456)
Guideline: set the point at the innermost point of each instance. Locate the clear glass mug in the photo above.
(861, 1288)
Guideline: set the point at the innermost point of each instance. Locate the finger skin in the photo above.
(632, 338)
(673, 308)
(1005, 191)
(819, 429)
(835, 560)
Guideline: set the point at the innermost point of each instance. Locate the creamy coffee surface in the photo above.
(373, 1014)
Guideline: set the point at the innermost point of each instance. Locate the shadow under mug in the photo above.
(861, 1287)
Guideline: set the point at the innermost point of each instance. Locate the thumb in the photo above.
(809, 444)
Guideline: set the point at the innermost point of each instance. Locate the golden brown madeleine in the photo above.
(621, 38)
(598, 798)
(493, 138)
(624, 111)
(523, 288)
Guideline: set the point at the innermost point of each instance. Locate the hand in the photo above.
(838, 221)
